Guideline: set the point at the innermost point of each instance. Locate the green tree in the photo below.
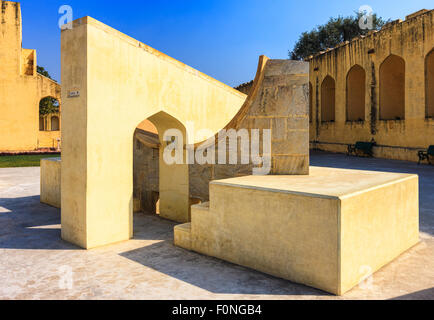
(42, 71)
(48, 105)
(329, 35)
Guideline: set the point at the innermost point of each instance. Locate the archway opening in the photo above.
(429, 84)
(161, 187)
(146, 168)
(328, 92)
(49, 111)
(356, 86)
(392, 89)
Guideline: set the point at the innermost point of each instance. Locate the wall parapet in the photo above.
(410, 19)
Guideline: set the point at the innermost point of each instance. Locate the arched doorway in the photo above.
(356, 82)
(49, 108)
(392, 88)
(429, 84)
(328, 91)
(146, 168)
(160, 186)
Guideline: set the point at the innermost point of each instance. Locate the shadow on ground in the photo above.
(28, 224)
(208, 273)
(420, 295)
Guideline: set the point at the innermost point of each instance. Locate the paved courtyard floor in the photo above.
(36, 264)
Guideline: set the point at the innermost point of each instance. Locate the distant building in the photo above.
(377, 88)
(22, 89)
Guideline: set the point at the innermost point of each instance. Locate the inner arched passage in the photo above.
(55, 123)
(160, 187)
(49, 110)
(429, 84)
(328, 91)
(356, 80)
(392, 88)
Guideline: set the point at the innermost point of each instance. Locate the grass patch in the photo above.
(33, 160)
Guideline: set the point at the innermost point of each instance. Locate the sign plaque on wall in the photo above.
(73, 94)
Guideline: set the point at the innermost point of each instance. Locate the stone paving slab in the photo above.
(36, 264)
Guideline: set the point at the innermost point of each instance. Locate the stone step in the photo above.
(328, 230)
(182, 236)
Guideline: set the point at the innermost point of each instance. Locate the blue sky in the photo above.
(222, 38)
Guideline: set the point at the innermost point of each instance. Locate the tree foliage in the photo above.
(42, 71)
(48, 105)
(329, 35)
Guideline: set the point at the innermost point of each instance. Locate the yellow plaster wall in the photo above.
(21, 88)
(376, 226)
(324, 230)
(74, 151)
(284, 235)
(97, 154)
(411, 40)
(48, 139)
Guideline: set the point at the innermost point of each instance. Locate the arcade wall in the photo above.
(377, 87)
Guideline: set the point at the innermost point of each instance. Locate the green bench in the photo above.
(426, 155)
(365, 147)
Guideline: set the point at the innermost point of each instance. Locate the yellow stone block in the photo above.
(50, 181)
(329, 230)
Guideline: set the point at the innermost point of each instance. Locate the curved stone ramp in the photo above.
(278, 101)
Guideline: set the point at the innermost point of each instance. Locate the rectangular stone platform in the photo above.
(50, 181)
(328, 230)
